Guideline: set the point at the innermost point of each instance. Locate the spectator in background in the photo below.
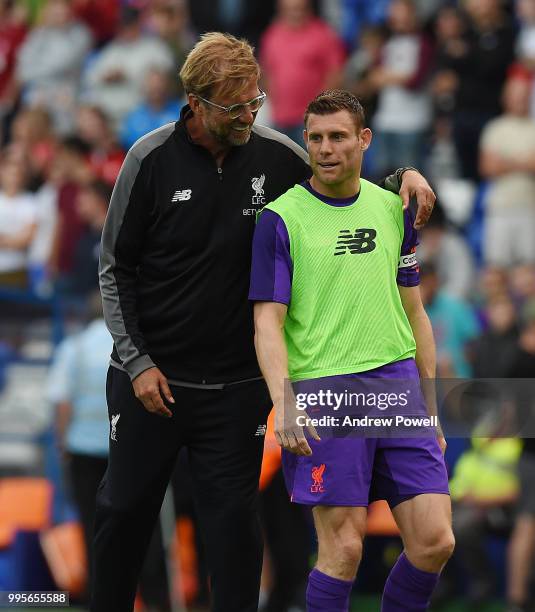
(449, 29)
(474, 75)
(454, 325)
(91, 207)
(522, 286)
(76, 388)
(115, 79)
(525, 41)
(441, 244)
(169, 21)
(507, 159)
(157, 109)
(493, 284)
(354, 15)
(484, 488)
(18, 223)
(100, 16)
(70, 172)
(522, 544)
(300, 56)
(450, 35)
(494, 350)
(45, 202)
(12, 33)
(105, 154)
(360, 65)
(403, 113)
(241, 18)
(33, 134)
(50, 63)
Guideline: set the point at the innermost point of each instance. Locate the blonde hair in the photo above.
(221, 61)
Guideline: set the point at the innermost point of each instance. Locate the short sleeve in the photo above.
(59, 386)
(491, 137)
(408, 269)
(272, 267)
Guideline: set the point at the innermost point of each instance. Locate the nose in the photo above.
(247, 116)
(325, 147)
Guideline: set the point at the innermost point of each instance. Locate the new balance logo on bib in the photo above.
(361, 241)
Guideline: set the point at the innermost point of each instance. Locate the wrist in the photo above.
(401, 171)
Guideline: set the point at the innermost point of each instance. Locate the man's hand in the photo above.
(149, 387)
(413, 184)
(289, 434)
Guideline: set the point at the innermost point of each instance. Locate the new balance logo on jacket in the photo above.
(181, 196)
(361, 241)
(261, 430)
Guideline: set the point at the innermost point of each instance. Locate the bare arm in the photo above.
(426, 359)
(493, 165)
(273, 360)
(270, 347)
(63, 417)
(19, 241)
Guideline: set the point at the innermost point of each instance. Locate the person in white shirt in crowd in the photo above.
(404, 109)
(50, 63)
(115, 79)
(507, 160)
(76, 388)
(18, 222)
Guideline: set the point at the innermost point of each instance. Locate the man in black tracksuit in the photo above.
(174, 274)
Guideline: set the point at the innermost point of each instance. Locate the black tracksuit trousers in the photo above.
(219, 428)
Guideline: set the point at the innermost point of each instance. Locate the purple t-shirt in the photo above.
(272, 267)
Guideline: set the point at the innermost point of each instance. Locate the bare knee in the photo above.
(349, 551)
(340, 536)
(433, 552)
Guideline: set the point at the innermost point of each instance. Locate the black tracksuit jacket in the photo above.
(176, 252)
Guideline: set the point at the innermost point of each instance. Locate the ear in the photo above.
(194, 103)
(305, 138)
(365, 138)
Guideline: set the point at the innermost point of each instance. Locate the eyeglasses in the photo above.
(236, 110)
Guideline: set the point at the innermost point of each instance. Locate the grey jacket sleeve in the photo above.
(122, 242)
(123, 239)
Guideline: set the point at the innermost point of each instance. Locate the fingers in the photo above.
(313, 432)
(294, 441)
(153, 402)
(302, 446)
(147, 388)
(405, 197)
(415, 185)
(164, 387)
(425, 199)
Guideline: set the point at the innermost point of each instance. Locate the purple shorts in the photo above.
(355, 471)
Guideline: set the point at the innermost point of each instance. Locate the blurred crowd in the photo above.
(448, 87)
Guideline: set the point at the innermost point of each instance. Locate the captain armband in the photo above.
(407, 261)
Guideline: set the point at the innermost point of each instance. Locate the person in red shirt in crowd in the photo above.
(100, 16)
(300, 56)
(69, 173)
(105, 155)
(12, 33)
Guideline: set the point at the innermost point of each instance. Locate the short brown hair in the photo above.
(219, 59)
(334, 100)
